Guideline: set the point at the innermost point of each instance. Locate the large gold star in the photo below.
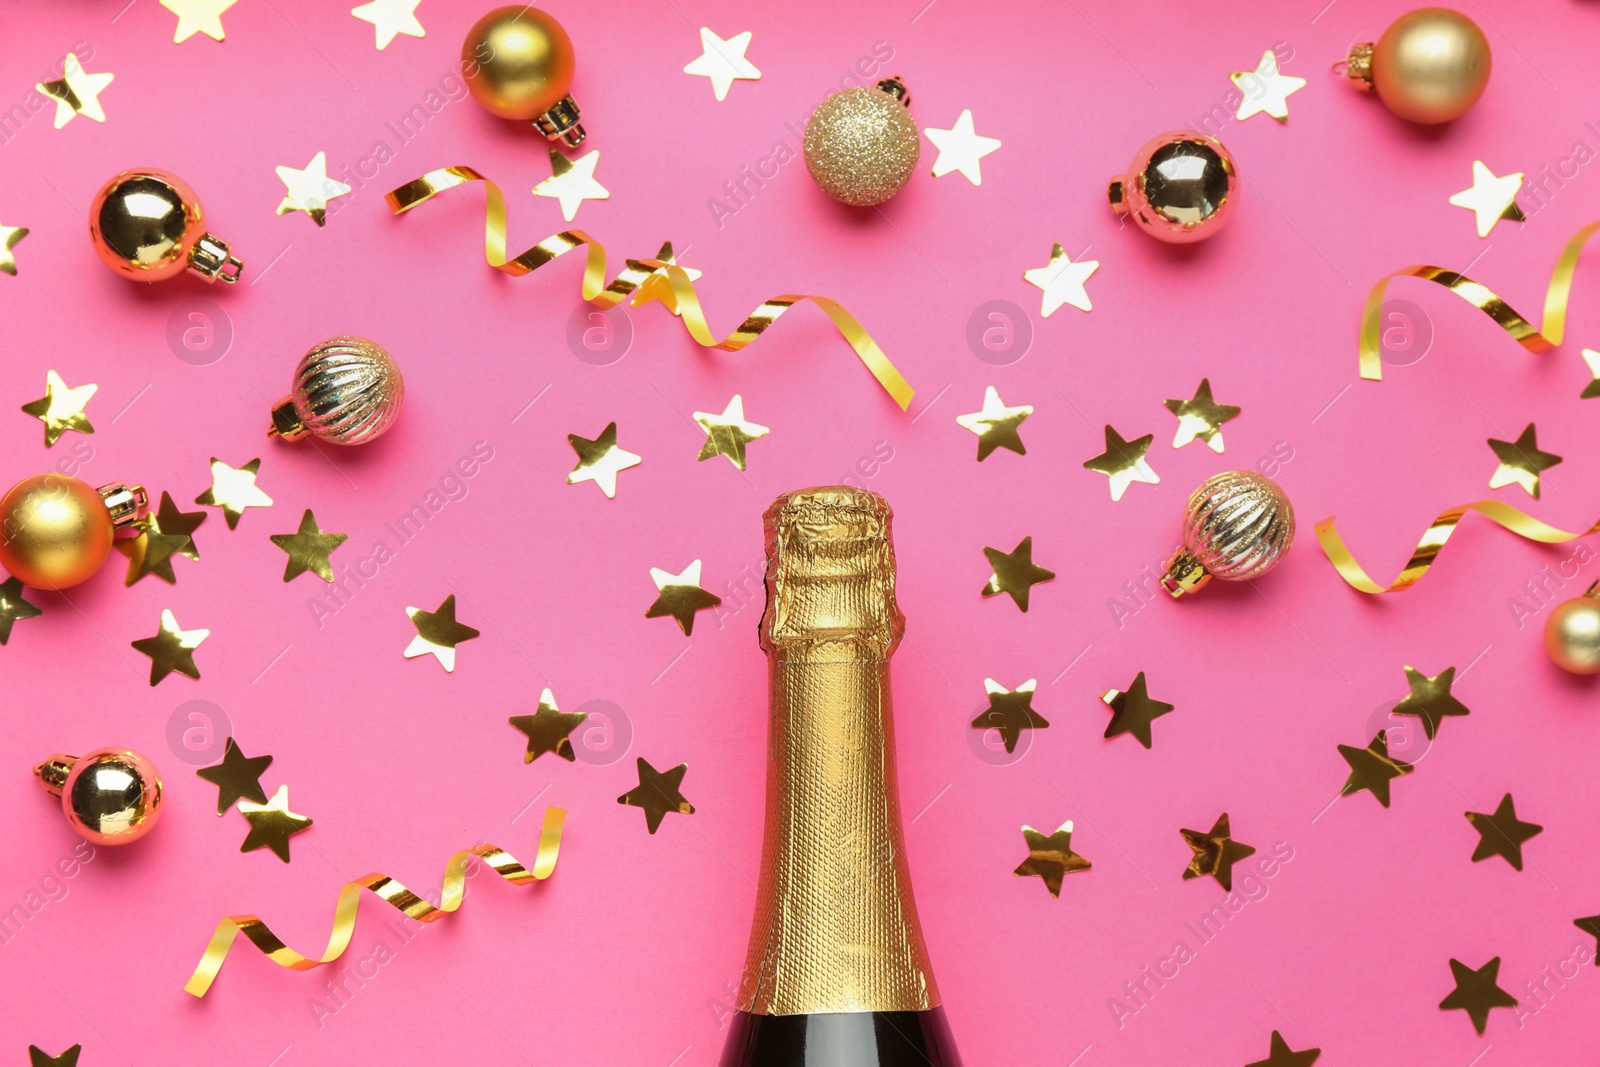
(658, 286)
(1281, 1055)
(37, 1057)
(272, 824)
(1050, 857)
(960, 148)
(548, 729)
(1265, 90)
(722, 61)
(76, 92)
(600, 460)
(1430, 699)
(9, 237)
(1062, 281)
(61, 407)
(309, 190)
(1123, 462)
(233, 489)
(680, 596)
(1590, 356)
(1201, 417)
(198, 16)
(237, 777)
(1010, 711)
(1490, 199)
(1133, 712)
(390, 18)
(1372, 768)
(1521, 461)
(438, 633)
(658, 793)
(1015, 572)
(171, 649)
(1501, 833)
(729, 432)
(165, 533)
(996, 424)
(14, 607)
(572, 182)
(309, 549)
(1215, 852)
(1477, 991)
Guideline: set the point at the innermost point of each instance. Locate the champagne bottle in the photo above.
(837, 974)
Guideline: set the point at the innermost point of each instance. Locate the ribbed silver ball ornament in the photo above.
(1239, 525)
(346, 391)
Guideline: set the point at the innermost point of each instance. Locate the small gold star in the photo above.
(61, 407)
(960, 148)
(237, 777)
(38, 1058)
(1265, 90)
(163, 534)
(1215, 852)
(1015, 572)
(548, 729)
(1430, 699)
(233, 489)
(14, 607)
(76, 92)
(1490, 198)
(1123, 462)
(1010, 711)
(722, 61)
(309, 190)
(658, 287)
(572, 182)
(390, 18)
(996, 424)
(9, 238)
(1590, 926)
(1501, 833)
(1477, 991)
(309, 549)
(438, 633)
(272, 824)
(198, 16)
(1133, 712)
(728, 433)
(1521, 461)
(1050, 857)
(1201, 418)
(1590, 356)
(1062, 281)
(680, 596)
(600, 460)
(658, 793)
(1372, 768)
(171, 649)
(1281, 1055)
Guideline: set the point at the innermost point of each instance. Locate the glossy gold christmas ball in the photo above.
(519, 64)
(1429, 66)
(1572, 634)
(861, 144)
(148, 225)
(112, 796)
(346, 391)
(55, 531)
(1238, 525)
(1179, 188)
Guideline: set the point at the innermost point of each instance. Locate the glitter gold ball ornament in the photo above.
(346, 391)
(111, 796)
(56, 530)
(1429, 66)
(1238, 526)
(1179, 188)
(519, 63)
(1572, 633)
(148, 225)
(861, 144)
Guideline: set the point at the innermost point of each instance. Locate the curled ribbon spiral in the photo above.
(387, 889)
(1518, 522)
(1533, 338)
(631, 281)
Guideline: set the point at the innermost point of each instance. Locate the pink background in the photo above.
(628, 954)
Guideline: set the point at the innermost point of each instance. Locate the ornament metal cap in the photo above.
(1357, 66)
(111, 796)
(560, 123)
(126, 503)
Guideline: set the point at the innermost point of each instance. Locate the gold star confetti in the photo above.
(309, 549)
(1201, 418)
(1133, 712)
(996, 425)
(1010, 711)
(38, 1058)
(1372, 768)
(61, 407)
(658, 286)
(1015, 572)
(1281, 1055)
(163, 534)
(1050, 857)
(1521, 461)
(680, 596)
(438, 633)
(658, 793)
(233, 489)
(1430, 699)
(572, 182)
(390, 18)
(76, 92)
(1215, 852)
(1123, 462)
(272, 824)
(722, 61)
(1590, 926)
(9, 238)
(1477, 991)
(1062, 281)
(600, 460)
(198, 16)
(171, 649)
(237, 777)
(1265, 90)
(309, 190)
(13, 607)
(1490, 199)
(1501, 833)
(1590, 356)
(960, 148)
(548, 729)
(728, 433)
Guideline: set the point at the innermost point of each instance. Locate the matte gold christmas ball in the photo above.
(148, 225)
(1179, 188)
(346, 391)
(112, 796)
(519, 64)
(55, 531)
(1572, 634)
(1238, 525)
(1429, 66)
(861, 144)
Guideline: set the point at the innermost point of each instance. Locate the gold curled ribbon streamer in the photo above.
(1533, 338)
(1518, 522)
(628, 283)
(387, 889)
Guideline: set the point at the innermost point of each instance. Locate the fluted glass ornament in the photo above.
(346, 391)
(1238, 525)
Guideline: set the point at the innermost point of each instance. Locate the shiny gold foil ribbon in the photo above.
(1534, 339)
(627, 284)
(1518, 522)
(387, 889)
